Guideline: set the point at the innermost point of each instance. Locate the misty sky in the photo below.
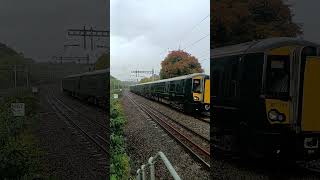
(306, 14)
(143, 30)
(37, 28)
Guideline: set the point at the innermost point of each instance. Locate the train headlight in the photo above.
(275, 115)
(272, 115)
(281, 117)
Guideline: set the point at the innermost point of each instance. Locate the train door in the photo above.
(207, 93)
(278, 85)
(310, 94)
(197, 88)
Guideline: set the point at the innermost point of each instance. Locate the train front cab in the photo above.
(291, 96)
(277, 114)
(201, 93)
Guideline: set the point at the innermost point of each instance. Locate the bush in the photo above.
(17, 149)
(120, 167)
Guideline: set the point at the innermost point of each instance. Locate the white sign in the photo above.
(115, 96)
(34, 89)
(18, 109)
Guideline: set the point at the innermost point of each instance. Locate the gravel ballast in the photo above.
(141, 135)
(145, 138)
(67, 154)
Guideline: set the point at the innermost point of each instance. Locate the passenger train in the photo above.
(89, 86)
(189, 92)
(265, 99)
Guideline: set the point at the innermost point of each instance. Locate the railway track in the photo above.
(76, 111)
(96, 142)
(204, 117)
(312, 166)
(196, 145)
(168, 118)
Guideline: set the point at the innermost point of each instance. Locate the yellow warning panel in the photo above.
(282, 107)
(207, 92)
(311, 95)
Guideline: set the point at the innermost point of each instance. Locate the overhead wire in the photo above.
(187, 32)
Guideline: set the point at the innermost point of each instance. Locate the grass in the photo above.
(120, 168)
(19, 155)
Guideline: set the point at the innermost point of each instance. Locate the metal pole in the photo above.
(143, 172)
(138, 176)
(84, 37)
(27, 77)
(87, 58)
(91, 38)
(152, 169)
(15, 75)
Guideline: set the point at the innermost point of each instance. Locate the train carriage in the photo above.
(265, 98)
(190, 92)
(89, 86)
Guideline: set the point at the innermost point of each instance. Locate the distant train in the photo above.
(190, 92)
(265, 99)
(89, 86)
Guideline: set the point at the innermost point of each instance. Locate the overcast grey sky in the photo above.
(307, 13)
(38, 27)
(143, 30)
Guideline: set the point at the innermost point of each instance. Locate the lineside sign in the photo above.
(18, 109)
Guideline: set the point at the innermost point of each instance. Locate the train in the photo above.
(89, 86)
(189, 92)
(265, 97)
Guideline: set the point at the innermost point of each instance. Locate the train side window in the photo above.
(226, 75)
(182, 86)
(172, 87)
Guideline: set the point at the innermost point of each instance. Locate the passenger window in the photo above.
(226, 73)
(172, 87)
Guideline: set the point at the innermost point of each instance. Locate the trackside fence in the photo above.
(141, 173)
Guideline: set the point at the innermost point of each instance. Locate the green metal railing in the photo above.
(141, 173)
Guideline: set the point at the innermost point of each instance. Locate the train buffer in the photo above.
(141, 173)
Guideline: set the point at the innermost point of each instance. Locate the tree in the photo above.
(237, 21)
(149, 79)
(102, 62)
(178, 63)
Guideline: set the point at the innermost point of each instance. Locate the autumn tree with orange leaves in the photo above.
(178, 63)
(237, 21)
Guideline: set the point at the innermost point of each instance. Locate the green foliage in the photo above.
(102, 62)
(234, 22)
(18, 154)
(9, 58)
(18, 157)
(149, 79)
(179, 63)
(120, 167)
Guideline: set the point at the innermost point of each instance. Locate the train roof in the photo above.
(102, 71)
(175, 78)
(258, 46)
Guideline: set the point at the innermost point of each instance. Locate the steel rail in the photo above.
(182, 140)
(72, 109)
(180, 124)
(177, 109)
(67, 117)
